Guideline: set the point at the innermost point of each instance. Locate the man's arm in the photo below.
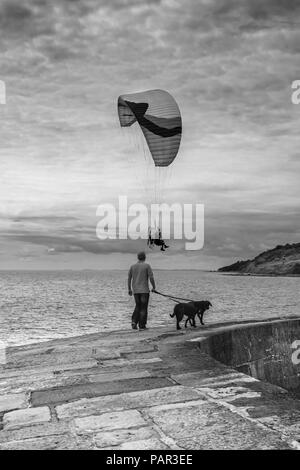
(129, 281)
(151, 277)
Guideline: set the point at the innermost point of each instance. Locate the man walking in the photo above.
(139, 276)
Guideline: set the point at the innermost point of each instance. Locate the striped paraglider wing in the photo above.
(159, 117)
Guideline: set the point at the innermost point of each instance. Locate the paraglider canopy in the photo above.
(159, 117)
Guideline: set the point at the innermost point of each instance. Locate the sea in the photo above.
(38, 306)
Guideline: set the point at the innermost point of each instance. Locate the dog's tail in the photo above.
(174, 311)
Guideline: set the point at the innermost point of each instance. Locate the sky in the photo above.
(230, 65)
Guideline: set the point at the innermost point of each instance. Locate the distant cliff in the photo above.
(282, 260)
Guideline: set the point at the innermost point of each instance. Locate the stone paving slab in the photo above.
(138, 350)
(144, 444)
(138, 400)
(196, 379)
(66, 394)
(115, 438)
(26, 417)
(91, 406)
(62, 442)
(35, 431)
(102, 339)
(212, 427)
(288, 425)
(15, 372)
(129, 362)
(231, 394)
(115, 420)
(67, 358)
(152, 364)
(32, 383)
(116, 376)
(13, 402)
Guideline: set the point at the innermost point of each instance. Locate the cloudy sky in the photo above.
(229, 63)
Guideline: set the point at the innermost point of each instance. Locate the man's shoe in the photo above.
(134, 327)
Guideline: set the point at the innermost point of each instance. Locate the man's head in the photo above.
(141, 256)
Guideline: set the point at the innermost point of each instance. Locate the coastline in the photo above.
(233, 273)
(140, 390)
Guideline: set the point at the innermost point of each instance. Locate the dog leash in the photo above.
(172, 297)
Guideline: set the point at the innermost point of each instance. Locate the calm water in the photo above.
(38, 306)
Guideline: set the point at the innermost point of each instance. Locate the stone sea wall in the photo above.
(268, 351)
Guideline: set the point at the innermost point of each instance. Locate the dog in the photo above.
(190, 310)
(201, 306)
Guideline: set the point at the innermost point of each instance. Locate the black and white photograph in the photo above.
(149, 228)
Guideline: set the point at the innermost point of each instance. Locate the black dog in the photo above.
(201, 306)
(190, 310)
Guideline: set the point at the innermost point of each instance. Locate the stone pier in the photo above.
(154, 389)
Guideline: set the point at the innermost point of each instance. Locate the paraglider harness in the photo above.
(156, 241)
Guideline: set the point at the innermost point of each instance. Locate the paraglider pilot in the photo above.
(157, 241)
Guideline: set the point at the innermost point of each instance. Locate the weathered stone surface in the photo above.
(73, 378)
(288, 425)
(144, 444)
(230, 394)
(65, 394)
(162, 396)
(26, 417)
(107, 375)
(220, 381)
(91, 406)
(179, 406)
(62, 442)
(20, 385)
(15, 372)
(211, 378)
(141, 399)
(139, 349)
(64, 356)
(32, 383)
(35, 431)
(210, 426)
(129, 362)
(13, 402)
(113, 376)
(116, 420)
(116, 438)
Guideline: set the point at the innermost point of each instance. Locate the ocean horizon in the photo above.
(43, 305)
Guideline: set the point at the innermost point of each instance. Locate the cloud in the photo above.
(67, 244)
(38, 218)
(14, 14)
(229, 63)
